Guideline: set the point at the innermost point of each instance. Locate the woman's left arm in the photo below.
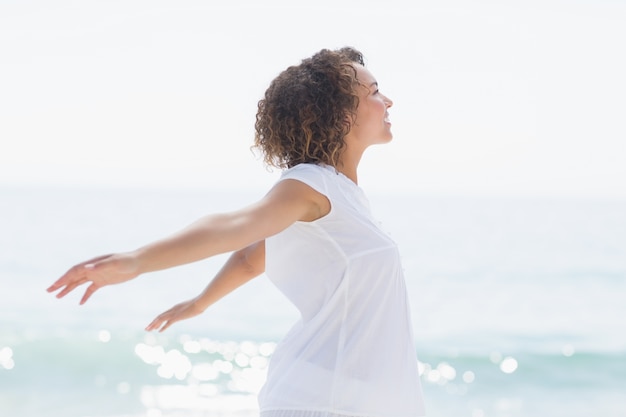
(242, 266)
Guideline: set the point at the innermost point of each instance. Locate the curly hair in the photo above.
(308, 110)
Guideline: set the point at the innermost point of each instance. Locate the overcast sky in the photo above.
(491, 97)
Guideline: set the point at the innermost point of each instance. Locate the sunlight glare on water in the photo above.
(6, 358)
(508, 365)
(209, 369)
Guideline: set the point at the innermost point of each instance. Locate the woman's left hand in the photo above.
(182, 311)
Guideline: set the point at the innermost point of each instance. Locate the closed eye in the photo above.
(375, 85)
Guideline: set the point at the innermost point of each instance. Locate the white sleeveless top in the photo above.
(352, 352)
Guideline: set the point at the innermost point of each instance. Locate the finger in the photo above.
(167, 324)
(158, 321)
(161, 323)
(70, 275)
(55, 286)
(88, 293)
(155, 324)
(70, 287)
(75, 272)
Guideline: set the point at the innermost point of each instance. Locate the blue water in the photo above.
(518, 308)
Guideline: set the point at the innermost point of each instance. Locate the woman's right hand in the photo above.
(100, 272)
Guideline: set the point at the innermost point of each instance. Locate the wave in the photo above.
(151, 359)
(131, 373)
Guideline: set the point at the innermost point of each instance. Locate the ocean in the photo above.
(518, 304)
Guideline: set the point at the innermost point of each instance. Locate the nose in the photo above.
(388, 101)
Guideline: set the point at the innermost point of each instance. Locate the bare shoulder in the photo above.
(285, 203)
(303, 199)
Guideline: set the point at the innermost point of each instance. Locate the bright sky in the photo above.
(491, 97)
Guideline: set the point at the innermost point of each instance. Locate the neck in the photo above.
(348, 164)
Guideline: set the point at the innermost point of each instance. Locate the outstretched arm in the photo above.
(241, 267)
(286, 203)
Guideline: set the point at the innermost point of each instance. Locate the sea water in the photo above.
(519, 307)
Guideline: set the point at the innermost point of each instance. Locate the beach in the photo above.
(517, 303)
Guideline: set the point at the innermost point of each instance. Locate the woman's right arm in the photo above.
(287, 202)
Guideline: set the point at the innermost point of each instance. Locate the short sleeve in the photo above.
(310, 174)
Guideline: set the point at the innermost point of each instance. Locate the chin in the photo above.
(385, 140)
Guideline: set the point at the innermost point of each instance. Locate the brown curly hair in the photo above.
(308, 110)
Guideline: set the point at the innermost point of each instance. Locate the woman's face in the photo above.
(371, 125)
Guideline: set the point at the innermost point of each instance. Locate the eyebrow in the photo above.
(374, 83)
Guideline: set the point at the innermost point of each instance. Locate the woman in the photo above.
(352, 352)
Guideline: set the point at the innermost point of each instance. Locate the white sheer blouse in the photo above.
(352, 352)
